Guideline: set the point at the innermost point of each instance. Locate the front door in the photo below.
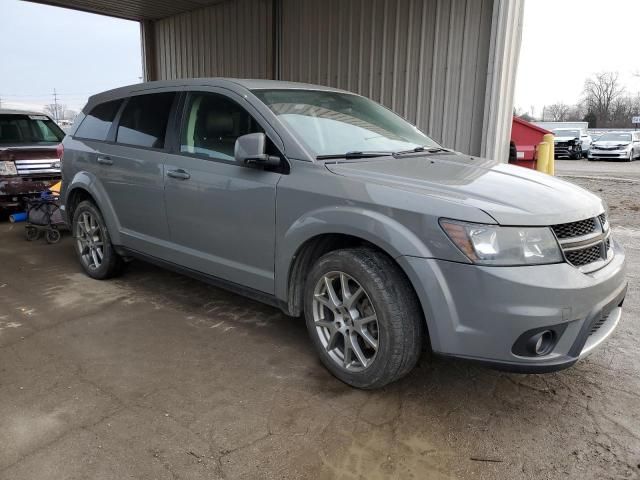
(221, 215)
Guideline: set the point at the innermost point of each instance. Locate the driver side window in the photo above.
(212, 124)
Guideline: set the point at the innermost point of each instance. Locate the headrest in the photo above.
(219, 123)
(9, 132)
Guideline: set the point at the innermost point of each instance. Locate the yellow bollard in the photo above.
(543, 157)
(551, 165)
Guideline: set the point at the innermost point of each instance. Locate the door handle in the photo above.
(105, 160)
(179, 174)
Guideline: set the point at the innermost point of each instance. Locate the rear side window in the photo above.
(144, 120)
(96, 125)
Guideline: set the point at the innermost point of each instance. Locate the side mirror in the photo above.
(250, 150)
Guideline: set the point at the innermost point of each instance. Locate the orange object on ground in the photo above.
(56, 188)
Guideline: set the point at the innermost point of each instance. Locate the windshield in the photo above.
(567, 133)
(19, 129)
(615, 137)
(333, 123)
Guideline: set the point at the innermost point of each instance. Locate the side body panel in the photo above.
(312, 201)
(134, 182)
(222, 220)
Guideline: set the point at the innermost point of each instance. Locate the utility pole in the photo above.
(55, 103)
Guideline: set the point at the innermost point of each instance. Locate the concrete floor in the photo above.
(156, 376)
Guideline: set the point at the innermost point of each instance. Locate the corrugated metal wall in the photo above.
(229, 39)
(446, 65)
(425, 59)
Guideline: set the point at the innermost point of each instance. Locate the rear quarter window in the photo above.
(97, 123)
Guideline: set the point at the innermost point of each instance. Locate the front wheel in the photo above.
(363, 317)
(93, 243)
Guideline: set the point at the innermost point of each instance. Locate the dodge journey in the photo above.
(331, 207)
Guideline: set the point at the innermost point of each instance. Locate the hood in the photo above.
(510, 194)
(564, 139)
(609, 144)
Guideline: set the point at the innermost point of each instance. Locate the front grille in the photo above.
(603, 219)
(585, 256)
(39, 166)
(596, 326)
(575, 229)
(584, 242)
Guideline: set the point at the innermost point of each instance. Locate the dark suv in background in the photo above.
(29, 156)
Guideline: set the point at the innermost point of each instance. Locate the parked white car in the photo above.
(616, 145)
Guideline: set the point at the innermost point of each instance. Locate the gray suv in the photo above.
(326, 204)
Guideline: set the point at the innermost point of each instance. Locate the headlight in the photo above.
(8, 168)
(495, 245)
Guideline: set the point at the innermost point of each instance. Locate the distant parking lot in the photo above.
(154, 375)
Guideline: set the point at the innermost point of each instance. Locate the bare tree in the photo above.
(55, 111)
(69, 114)
(558, 112)
(601, 92)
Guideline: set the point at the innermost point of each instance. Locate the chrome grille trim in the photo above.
(585, 244)
(41, 165)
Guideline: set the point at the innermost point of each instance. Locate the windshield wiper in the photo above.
(421, 150)
(354, 155)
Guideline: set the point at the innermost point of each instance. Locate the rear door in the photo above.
(131, 168)
(221, 215)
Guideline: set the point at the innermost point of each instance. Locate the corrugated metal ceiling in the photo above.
(131, 9)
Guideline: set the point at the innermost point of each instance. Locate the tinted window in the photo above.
(144, 120)
(96, 125)
(212, 125)
(17, 129)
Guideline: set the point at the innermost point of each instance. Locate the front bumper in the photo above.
(609, 154)
(563, 151)
(14, 190)
(478, 313)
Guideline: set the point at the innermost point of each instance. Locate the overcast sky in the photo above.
(79, 53)
(580, 38)
(76, 53)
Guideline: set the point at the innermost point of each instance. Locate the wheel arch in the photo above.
(85, 186)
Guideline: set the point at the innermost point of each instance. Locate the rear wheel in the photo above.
(31, 233)
(53, 236)
(93, 243)
(363, 317)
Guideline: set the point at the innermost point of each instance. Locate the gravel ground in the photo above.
(155, 376)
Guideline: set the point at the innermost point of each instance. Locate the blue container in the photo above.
(18, 217)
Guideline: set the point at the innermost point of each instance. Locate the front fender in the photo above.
(91, 184)
(380, 230)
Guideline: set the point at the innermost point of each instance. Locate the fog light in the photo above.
(542, 342)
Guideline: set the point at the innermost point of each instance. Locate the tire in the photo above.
(93, 245)
(53, 236)
(378, 288)
(31, 233)
(577, 155)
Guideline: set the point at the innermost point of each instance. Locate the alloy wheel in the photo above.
(345, 321)
(90, 240)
